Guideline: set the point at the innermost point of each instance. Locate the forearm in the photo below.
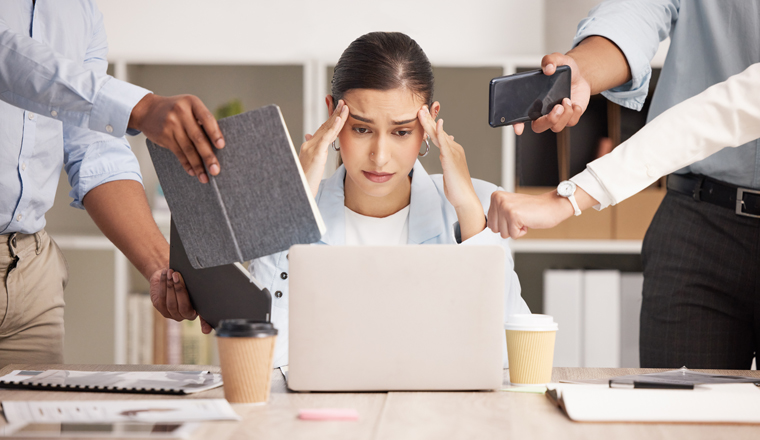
(601, 63)
(121, 211)
(472, 220)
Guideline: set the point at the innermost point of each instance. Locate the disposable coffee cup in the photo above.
(246, 353)
(530, 348)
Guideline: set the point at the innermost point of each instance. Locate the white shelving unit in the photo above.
(576, 246)
(121, 284)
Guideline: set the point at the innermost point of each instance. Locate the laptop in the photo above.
(221, 292)
(366, 318)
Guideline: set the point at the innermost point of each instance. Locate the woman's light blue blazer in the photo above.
(432, 220)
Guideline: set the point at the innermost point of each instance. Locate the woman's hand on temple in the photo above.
(313, 155)
(457, 184)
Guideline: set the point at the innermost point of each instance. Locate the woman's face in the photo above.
(381, 139)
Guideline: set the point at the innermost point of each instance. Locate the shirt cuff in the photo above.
(93, 183)
(104, 162)
(113, 105)
(484, 237)
(588, 182)
(633, 93)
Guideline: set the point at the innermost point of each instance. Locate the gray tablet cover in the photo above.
(258, 204)
(222, 292)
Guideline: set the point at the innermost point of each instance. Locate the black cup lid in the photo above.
(245, 328)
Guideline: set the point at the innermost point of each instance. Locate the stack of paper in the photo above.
(159, 382)
(105, 411)
(173, 418)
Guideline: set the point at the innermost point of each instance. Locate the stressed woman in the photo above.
(381, 119)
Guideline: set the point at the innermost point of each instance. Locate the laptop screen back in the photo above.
(368, 318)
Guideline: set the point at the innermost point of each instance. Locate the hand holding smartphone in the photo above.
(526, 96)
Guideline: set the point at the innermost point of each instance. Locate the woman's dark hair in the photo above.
(383, 61)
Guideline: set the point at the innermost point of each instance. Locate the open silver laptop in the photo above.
(365, 318)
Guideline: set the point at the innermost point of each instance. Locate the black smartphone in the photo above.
(526, 96)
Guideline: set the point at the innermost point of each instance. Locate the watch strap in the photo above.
(575, 204)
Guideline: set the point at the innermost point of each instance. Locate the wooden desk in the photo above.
(410, 415)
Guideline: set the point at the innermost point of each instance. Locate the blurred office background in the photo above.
(252, 53)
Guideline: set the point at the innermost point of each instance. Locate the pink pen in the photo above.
(328, 414)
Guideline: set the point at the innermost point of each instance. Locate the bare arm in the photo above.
(121, 211)
(601, 63)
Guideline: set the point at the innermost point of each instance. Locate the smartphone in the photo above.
(526, 96)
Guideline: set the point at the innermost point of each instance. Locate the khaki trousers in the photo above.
(33, 274)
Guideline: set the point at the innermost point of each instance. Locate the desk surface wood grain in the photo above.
(409, 415)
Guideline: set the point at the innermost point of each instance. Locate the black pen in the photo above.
(652, 385)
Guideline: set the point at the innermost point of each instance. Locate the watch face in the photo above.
(566, 188)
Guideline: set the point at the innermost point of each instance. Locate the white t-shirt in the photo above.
(371, 231)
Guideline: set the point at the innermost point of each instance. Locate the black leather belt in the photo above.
(743, 201)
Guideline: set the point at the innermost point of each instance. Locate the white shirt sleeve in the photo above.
(587, 181)
(725, 115)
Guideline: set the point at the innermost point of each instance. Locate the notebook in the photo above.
(258, 205)
(712, 403)
(152, 382)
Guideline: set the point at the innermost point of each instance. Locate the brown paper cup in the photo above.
(531, 354)
(246, 363)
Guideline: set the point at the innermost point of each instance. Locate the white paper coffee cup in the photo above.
(530, 348)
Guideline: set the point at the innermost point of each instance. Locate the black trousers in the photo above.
(701, 304)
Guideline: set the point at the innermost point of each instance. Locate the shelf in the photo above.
(83, 242)
(577, 246)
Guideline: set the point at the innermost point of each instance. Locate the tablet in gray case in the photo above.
(221, 292)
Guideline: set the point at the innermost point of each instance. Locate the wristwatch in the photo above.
(567, 189)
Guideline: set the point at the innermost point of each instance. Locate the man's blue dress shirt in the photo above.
(710, 40)
(58, 108)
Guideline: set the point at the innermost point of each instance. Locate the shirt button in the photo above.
(31, 116)
(278, 294)
(109, 128)
(54, 114)
(23, 167)
(284, 276)
(19, 217)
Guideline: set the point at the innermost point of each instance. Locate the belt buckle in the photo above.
(740, 201)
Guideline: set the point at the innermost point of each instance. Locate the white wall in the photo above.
(240, 30)
(561, 22)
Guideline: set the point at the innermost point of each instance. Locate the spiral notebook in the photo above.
(150, 382)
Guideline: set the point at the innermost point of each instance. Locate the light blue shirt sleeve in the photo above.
(637, 27)
(92, 158)
(36, 78)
